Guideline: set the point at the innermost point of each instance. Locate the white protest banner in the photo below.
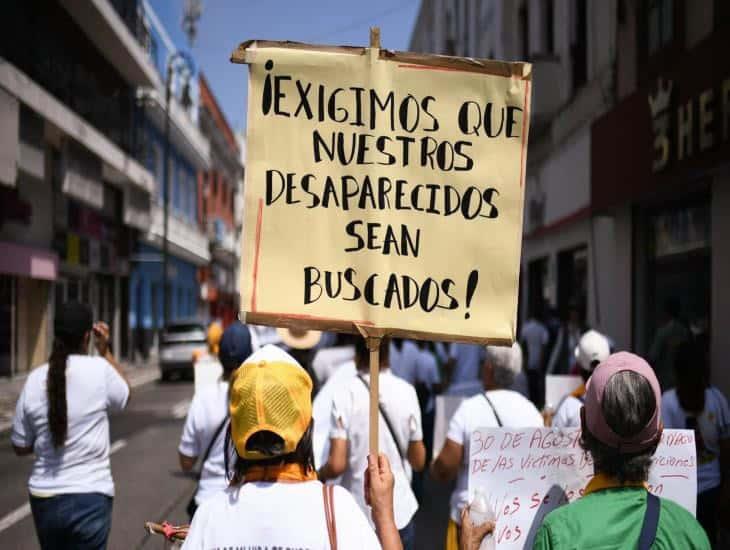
(558, 386)
(383, 189)
(446, 406)
(526, 473)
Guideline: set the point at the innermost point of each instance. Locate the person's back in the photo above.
(274, 499)
(204, 431)
(82, 464)
(62, 417)
(495, 408)
(279, 515)
(399, 402)
(620, 430)
(204, 427)
(618, 524)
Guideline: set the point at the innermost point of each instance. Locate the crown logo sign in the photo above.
(659, 102)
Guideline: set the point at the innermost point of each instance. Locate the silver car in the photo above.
(179, 341)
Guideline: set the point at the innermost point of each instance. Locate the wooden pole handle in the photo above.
(373, 343)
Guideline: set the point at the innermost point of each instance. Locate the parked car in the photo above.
(179, 341)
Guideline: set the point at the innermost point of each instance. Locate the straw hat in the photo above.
(297, 338)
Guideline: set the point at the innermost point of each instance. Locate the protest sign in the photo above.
(526, 473)
(446, 406)
(558, 386)
(383, 189)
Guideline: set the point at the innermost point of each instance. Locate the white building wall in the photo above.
(610, 312)
(565, 177)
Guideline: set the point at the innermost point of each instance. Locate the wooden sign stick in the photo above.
(373, 343)
(373, 337)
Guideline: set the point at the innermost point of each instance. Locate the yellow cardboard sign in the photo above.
(384, 190)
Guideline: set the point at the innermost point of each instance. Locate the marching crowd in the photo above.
(280, 437)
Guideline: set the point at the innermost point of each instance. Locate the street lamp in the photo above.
(182, 64)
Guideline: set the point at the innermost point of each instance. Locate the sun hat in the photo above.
(296, 338)
(595, 420)
(270, 392)
(593, 346)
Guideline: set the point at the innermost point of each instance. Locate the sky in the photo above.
(226, 23)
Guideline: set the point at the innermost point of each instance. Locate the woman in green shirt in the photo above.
(621, 425)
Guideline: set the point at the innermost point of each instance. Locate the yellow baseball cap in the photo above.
(270, 392)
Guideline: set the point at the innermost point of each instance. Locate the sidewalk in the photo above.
(138, 374)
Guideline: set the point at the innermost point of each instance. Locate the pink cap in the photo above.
(596, 423)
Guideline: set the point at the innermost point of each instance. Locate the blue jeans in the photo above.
(74, 521)
(408, 536)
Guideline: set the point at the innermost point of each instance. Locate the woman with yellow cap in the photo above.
(274, 498)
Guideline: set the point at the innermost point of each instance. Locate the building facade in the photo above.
(569, 43)
(220, 187)
(82, 115)
(661, 174)
(189, 152)
(69, 167)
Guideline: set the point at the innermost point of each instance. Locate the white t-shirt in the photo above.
(93, 389)
(207, 411)
(350, 414)
(278, 515)
(403, 362)
(713, 425)
(568, 413)
(322, 411)
(536, 336)
(514, 410)
(469, 359)
(207, 370)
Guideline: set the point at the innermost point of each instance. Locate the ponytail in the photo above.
(56, 387)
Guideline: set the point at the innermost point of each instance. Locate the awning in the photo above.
(27, 261)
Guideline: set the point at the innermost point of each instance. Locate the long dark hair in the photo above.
(267, 443)
(71, 325)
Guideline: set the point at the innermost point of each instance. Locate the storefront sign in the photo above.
(383, 192)
(693, 126)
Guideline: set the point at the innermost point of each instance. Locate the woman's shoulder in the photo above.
(677, 521)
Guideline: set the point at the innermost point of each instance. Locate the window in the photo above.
(661, 24)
